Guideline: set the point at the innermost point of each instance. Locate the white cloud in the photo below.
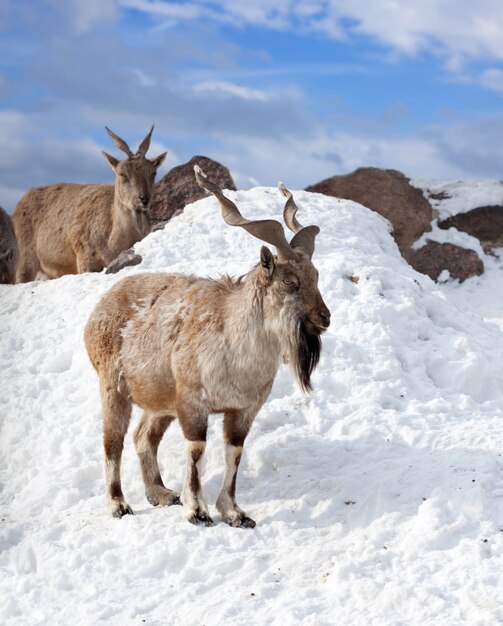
(85, 15)
(457, 30)
(177, 11)
(238, 91)
(144, 79)
(14, 129)
(303, 161)
(492, 79)
(452, 28)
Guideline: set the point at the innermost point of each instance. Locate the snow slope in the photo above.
(450, 197)
(378, 499)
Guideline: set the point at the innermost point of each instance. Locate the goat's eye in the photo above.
(291, 284)
(125, 178)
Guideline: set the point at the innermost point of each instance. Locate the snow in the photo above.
(378, 498)
(457, 196)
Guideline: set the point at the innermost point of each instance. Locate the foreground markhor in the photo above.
(182, 346)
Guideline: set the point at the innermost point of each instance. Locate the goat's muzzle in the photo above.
(318, 322)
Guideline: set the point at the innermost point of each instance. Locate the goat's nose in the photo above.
(144, 199)
(325, 317)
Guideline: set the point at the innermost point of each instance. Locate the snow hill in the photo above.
(378, 499)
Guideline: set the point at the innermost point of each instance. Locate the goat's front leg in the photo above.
(236, 427)
(194, 429)
(88, 261)
(28, 265)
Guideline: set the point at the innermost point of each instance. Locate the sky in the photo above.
(291, 90)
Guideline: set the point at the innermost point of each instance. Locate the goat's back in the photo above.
(55, 221)
(131, 298)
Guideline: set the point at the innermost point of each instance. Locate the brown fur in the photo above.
(186, 347)
(70, 229)
(8, 250)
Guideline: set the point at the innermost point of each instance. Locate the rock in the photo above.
(485, 223)
(435, 257)
(389, 193)
(179, 188)
(125, 259)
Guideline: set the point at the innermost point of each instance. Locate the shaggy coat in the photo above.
(185, 347)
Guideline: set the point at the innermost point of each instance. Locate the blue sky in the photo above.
(290, 90)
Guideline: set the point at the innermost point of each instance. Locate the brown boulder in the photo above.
(179, 187)
(434, 257)
(485, 223)
(387, 192)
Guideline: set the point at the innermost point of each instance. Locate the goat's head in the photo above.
(134, 176)
(291, 299)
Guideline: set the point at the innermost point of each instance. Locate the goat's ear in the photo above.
(112, 160)
(266, 261)
(156, 161)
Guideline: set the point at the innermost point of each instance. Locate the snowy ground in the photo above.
(378, 499)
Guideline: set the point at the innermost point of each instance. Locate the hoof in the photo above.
(121, 510)
(174, 500)
(201, 519)
(241, 521)
(169, 498)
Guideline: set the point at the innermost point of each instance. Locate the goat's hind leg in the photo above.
(236, 427)
(147, 438)
(116, 416)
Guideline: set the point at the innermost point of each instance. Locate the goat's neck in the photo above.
(246, 319)
(128, 227)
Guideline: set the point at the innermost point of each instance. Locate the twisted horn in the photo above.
(304, 235)
(120, 143)
(270, 231)
(290, 210)
(145, 144)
